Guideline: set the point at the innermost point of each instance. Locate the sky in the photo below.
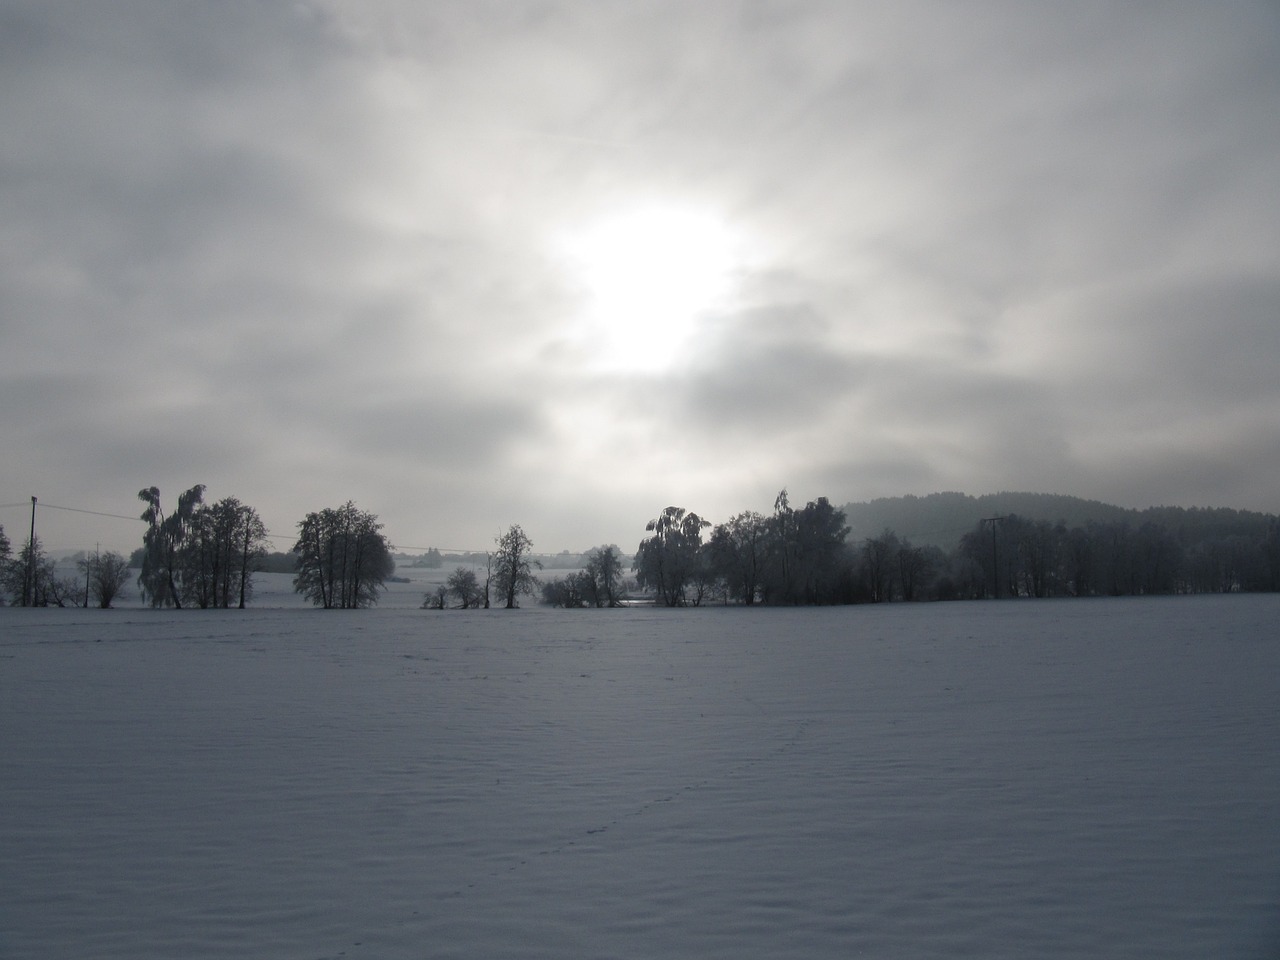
(475, 264)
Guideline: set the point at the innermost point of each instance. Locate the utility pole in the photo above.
(89, 570)
(29, 581)
(995, 558)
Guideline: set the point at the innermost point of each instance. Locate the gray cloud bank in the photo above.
(299, 252)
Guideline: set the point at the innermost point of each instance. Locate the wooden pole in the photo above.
(995, 558)
(29, 582)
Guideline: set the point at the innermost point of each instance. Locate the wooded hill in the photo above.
(942, 519)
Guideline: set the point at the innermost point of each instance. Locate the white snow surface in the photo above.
(1021, 779)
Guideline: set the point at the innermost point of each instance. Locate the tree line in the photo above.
(31, 579)
(199, 554)
(793, 556)
(1013, 556)
(203, 555)
(804, 556)
(509, 574)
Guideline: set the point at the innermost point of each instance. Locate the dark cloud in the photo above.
(765, 371)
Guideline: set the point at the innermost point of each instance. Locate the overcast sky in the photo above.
(563, 264)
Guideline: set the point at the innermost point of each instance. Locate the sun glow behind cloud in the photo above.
(645, 276)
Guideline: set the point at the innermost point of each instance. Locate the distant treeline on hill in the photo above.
(1031, 544)
(434, 559)
(942, 519)
(275, 562)
(951, 546)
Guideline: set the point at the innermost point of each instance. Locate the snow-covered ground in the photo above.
(1018, 779)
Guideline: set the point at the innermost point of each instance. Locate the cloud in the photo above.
(303, 252)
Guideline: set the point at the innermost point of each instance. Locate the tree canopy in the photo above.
(343, 558)
(667, 561)
(200, 555)
(513, 565)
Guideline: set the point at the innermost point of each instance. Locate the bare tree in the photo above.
(783, 542)
(106, 574)
(201, 554)
(4, 559)
(513, 566)
(161, 577)
(30, 578)
(603, 574)
(915, 566)
(879, 558)
(807, 559)
(568, 591)
(343, 558)
(488, 577)
(437, 599)
(739, 552)
(667, 561)
(462, 583)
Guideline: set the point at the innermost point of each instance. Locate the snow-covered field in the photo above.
(1018, 779)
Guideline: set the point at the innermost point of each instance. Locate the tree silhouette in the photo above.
(513, 566)
(343, 558)
(667, 561)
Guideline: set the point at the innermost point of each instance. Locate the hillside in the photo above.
(941, 519)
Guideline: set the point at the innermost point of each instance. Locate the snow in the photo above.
(1017, 779)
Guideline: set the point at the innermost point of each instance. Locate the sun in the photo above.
(644, 277)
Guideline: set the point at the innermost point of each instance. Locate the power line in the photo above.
(271, 536)
(54, 506)
(95, 513)
(995, 557)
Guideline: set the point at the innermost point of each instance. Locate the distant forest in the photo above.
(944, 546)
(1043, 545)
(950, 546)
